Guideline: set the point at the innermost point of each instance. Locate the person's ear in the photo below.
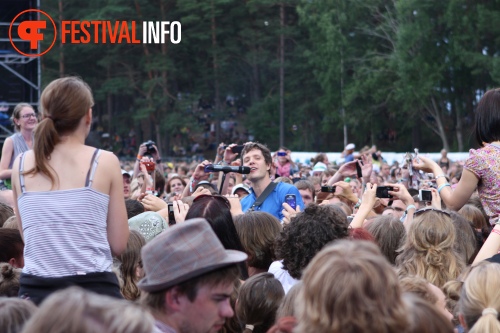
(13, 262)
(174, 299)
(88, 118)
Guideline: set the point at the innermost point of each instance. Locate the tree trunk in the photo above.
(215, 65)
(282, 75)
(459, 127)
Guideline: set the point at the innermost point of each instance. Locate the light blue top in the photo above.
(274, 202)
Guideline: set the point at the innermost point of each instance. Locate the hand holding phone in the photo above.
(425, 195)
(383, 192)
(171, 215)
(328, 189)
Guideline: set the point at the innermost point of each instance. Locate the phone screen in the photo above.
(358, 170)
(425, 195)
(291, 200)
(171, 216)
(383, 192)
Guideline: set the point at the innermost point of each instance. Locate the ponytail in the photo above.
(46, 138)
(488, 322)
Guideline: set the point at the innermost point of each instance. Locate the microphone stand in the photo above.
(222, 181)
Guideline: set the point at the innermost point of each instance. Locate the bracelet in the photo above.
(410, 207)
(443, 186)
(139, 157)
(358, 204)
(439, 176)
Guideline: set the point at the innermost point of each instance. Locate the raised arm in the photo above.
(7, 152)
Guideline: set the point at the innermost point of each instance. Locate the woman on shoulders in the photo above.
(69, 197)
(25, 121)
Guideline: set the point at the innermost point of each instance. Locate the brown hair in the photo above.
(418, 286)
(287, 306)
(11, 244)
(64, 102)
(6, 211)
(258, 232)
(389, 233)
(424, 317)
(16, 114)
(350, 287)
(259, 146)
(168, 188)
(258, 301)
(131, 259)
(9, 280)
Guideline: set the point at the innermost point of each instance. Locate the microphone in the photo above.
(227, 168)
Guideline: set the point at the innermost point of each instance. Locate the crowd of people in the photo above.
(248, 241)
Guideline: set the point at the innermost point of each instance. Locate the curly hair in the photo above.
(307, 234)
(428, 250)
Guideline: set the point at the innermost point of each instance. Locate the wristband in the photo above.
(139, 157)
(410, 207)
(439, 176)
(443, 186)
(358, 204)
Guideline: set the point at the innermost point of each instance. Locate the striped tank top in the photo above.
(65, 230)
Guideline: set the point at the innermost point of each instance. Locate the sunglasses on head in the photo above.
(423, 210)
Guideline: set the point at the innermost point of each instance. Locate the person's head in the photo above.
(476, 219)
(479, 302)
(175, 185)
(258, 301)
(307, 192)
(14, 313)
(488, 117)
(11, 223)
(399, 208)
(318, 170)
(65, 106)
(307, 234)
(283, 159)
(76, 310)
(191, 286)
(258, 232)
(258, 157)
(350, 287)
(287, 306)
(9, 280)
(389, 233)
(11, 247)
(24, 117)
(428, 292)
(6, 211)
(424, 317)
(126, 184)
(241, 190)
(131, 265)
(133, 207)
(443, 152)
(321, 157)
(428, 251)
(159, 182)
(385, 170)
(467, 242)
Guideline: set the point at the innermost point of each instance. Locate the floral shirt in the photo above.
(485, 164)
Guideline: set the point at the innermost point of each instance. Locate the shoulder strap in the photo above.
(93, 166)
(263, 196)
(21, 173)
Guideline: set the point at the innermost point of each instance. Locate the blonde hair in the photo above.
(350, 287)
(287, 306)
(14, 312)
(64, 102)
(16, 114)
(428, 250)
(480, 291)
(11, 223)
(75, 310)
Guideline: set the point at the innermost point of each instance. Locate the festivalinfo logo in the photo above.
(87, 32)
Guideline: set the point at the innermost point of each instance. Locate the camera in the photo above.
(236, 149)
(281, 153)
(425, 195)
(149, 146)
(328, 189)
(383, 192)
(171, 216)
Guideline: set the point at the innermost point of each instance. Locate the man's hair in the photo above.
(306, 185)
(307, 234)
(11, 244)
(156, 300)
(258, 232)
(133, 207)
(263, 148)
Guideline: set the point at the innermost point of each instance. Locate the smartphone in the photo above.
(236, 149)
(150, 166)
(358, 170)
(328, 189)
(383, 191)
(291, 200)
(425, 195)
(171, 216)
(281, 153)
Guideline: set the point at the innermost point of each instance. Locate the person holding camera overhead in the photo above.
(148, 148)
(69, 199)
(283, 162)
